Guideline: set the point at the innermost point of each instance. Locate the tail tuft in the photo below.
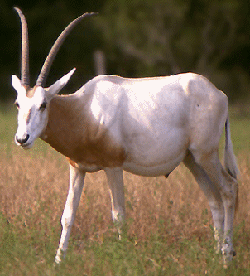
(230, 162)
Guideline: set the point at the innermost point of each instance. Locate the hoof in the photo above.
(227, 259)
(57, 260)
(59, 255)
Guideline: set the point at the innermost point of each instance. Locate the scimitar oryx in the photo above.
(145, 126)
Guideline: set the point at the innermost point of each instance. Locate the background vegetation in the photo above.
(139, 38)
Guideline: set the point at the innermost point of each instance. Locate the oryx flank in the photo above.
(145, 126)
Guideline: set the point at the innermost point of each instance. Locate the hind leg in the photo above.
(115, 182)
(227, 187)
(213, 195)
(229, 195)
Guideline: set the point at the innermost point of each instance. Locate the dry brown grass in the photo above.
(33, 190)
(35, 185)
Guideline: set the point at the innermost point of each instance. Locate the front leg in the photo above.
(115, 181)
(71, 205)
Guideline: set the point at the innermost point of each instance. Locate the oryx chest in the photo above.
(92, 154)
(81, 139)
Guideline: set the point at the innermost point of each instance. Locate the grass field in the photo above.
(169, 226)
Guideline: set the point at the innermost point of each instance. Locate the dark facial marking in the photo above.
(43, 106)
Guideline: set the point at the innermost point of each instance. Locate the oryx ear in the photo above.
(58, 85)
(16, 83)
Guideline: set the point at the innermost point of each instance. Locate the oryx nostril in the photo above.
(23, 140)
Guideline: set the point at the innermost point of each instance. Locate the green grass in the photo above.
(33, 254)
(169, 226)
(240, 130)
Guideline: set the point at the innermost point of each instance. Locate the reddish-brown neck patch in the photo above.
(72, 131)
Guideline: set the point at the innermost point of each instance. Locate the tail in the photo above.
(230, 162)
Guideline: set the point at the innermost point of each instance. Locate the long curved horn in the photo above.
(55, 48)
(25, 77)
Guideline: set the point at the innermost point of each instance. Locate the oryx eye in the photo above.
(17, 105)
(43, 106)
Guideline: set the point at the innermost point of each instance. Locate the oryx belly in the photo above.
(151, 155)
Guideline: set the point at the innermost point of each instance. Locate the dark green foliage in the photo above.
(139, 38)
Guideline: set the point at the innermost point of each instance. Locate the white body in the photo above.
(144, 126)
(153, 120)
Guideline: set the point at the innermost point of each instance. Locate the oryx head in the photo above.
(32, 103)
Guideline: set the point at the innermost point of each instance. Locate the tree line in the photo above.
(138, 38)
